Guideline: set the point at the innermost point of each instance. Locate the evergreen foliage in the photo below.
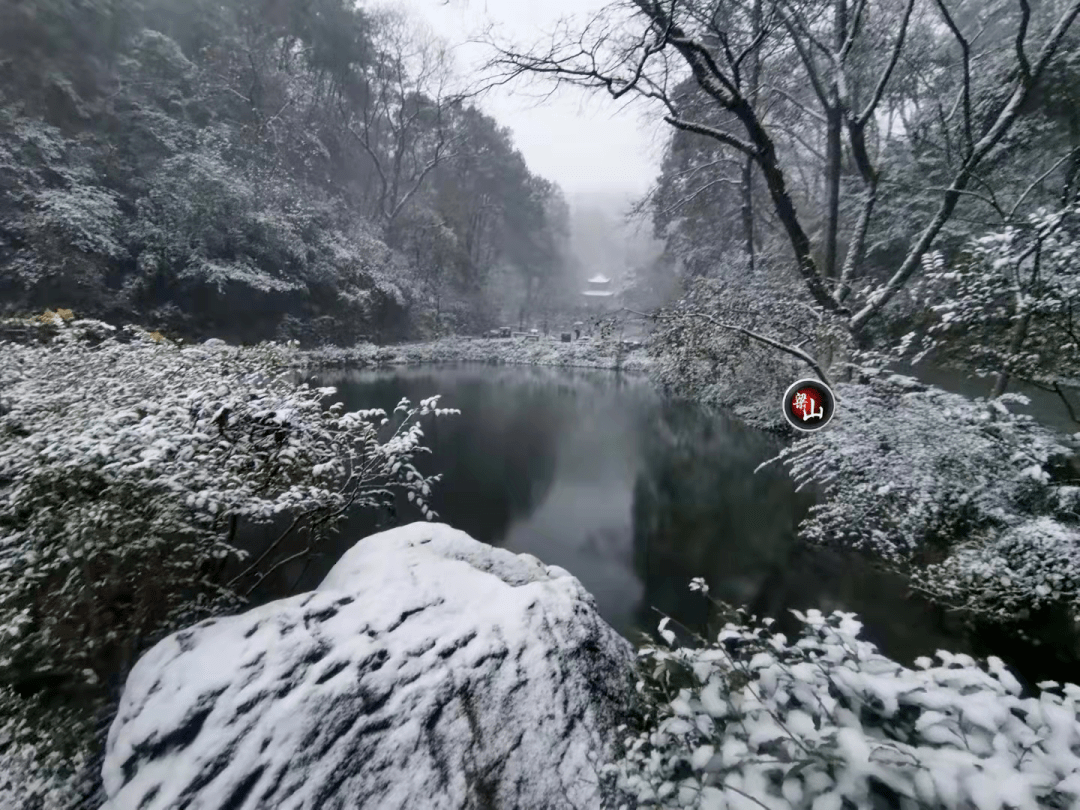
(308, 165)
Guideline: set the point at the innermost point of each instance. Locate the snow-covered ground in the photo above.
(427, 670)
(546, 351)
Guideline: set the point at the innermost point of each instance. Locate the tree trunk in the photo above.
(834, 117)
(748, 164)
(1072, 169)
(1016, 342)
(783, 205)
(748, 210)
(833, 157)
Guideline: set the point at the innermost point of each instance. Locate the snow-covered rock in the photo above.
(427, 670)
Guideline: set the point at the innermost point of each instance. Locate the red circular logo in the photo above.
(808, 405)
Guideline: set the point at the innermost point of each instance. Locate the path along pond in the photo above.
(636, 495)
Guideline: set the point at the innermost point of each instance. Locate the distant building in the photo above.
(598, 294)
(598, 299)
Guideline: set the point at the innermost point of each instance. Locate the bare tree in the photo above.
(648, 48)
(403, 122)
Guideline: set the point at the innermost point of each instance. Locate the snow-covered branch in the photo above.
(128, 467)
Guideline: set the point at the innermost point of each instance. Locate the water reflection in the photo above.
(635, 495)
(701, 510)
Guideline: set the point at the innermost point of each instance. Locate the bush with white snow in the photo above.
(128, 467)
(755, 720)
(596, 352)
(972, 499)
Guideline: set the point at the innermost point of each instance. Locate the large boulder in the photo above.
(428, 670)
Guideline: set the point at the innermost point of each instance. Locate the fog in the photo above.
(603, 239)
(584, 143)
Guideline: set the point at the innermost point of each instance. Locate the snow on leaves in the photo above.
(754, 720)
(1007, 303)
(694, 356)
(56, 775)
(1007, 573)
(85, 217)
(700, 352)
(595, 352)
(127, 467)
(909, 465)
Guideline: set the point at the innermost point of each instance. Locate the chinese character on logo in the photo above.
(809, 405)
(805, 403)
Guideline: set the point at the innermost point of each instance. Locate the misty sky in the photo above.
(586, 144)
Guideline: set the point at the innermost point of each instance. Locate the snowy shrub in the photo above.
(45, 765)
(547, 351)
(906, 463)
(128, 467)
(83, 217)
(824, 721)
(967, 491)
(1008, 573)
(1008, 302)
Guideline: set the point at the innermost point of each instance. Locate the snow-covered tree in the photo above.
(1007, 305)
(741, 341)
(910, 473)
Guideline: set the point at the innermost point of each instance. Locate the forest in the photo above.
(317, 165)
(210, 209)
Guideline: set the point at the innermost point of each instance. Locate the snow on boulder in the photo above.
(427, 670)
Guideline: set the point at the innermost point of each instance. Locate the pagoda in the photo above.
(598, 293)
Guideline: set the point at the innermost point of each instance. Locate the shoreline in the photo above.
(585, 353)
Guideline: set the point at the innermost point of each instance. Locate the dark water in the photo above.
(1045, 407)
(635, 495)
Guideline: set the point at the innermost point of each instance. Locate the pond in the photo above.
(1044, 406)
(635, 495)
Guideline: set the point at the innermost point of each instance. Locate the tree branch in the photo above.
(857, 247)
(993, 136)
(965, 50)
(879, 90)
(1021, 35)
(714, 133)
(1035, 183)
(794, 351)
